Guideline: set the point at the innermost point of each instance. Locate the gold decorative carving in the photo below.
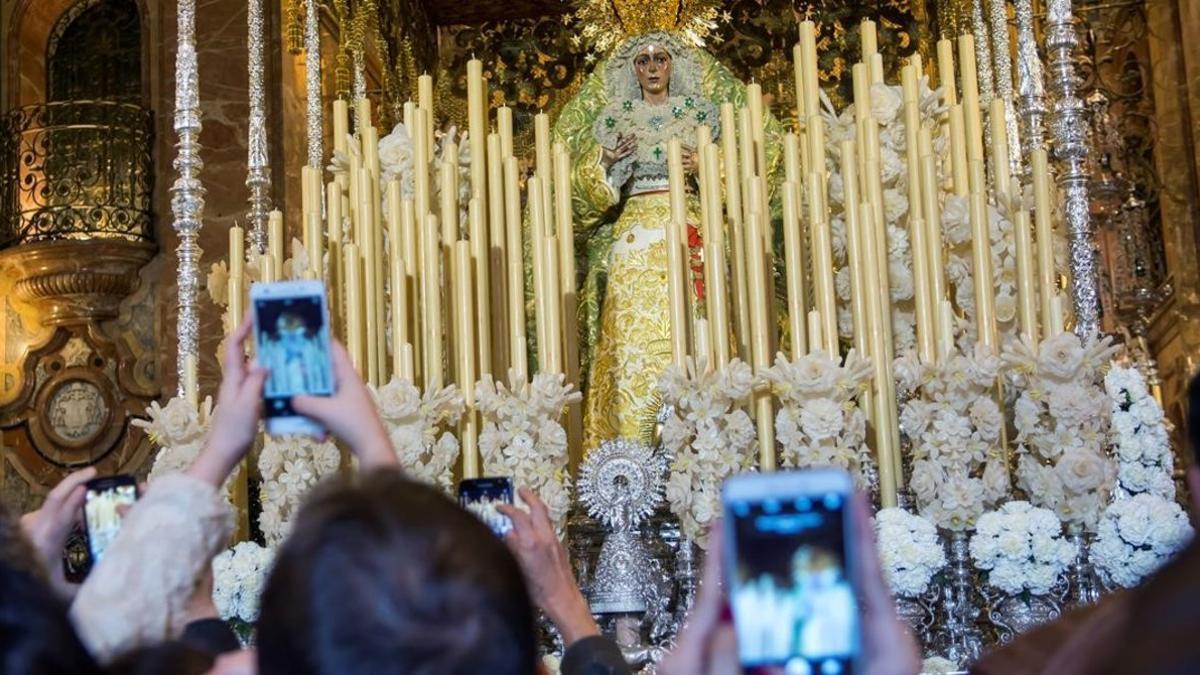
(77, 281)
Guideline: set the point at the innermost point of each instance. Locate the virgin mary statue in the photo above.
(651, 88)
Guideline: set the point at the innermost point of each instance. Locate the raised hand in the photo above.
(350, 413)
(48, 527)
(626, 145)
(239, 408)
(547, 568)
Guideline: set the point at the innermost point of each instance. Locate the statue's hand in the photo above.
(626, 145)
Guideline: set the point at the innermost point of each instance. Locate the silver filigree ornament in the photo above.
(312, 83)
(1031, 88)
(258, 173)
(187, 193)
(620, 484)
(1068, 125)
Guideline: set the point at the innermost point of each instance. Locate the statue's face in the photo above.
(653, 67)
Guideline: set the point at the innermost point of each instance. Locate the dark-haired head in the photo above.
(36, 636)
(385, 575)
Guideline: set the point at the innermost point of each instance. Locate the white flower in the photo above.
(1136, 536)
(821, 419)
(238, 578)
(886, 102)
(1021, 547)
(909, 551)
(1081, 471)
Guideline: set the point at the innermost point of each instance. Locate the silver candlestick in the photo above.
(1068, 125)
(258, 175)
(1002, 62)
(1030, 83)
(312, 81)
(187, 193)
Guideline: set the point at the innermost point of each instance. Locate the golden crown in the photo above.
(605, 23)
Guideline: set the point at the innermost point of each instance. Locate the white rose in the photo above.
(821, 419)
(900, 281)
(1060, 358)
(956, 220)
(927, 477)
(1080, 471)
(895, 205)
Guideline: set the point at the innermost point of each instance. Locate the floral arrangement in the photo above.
(1143, 448)
(956, 233)
(1022, 548)
(709, 436)
(909, 551)
(1062, 418)
(396, 161)
(955, 425)
(1136, 536)
(290, 466)
(887, 103)
(178, 429)
(819, 422)
(420, 428)
(238, 577)
(523, 437)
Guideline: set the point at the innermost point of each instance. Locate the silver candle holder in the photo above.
(312, 81)
(258, 174)
(187, 193)
(1031, 88)
(1068, 125)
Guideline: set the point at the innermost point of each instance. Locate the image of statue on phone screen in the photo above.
(294, 347)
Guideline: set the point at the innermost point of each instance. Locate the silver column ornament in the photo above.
(258, 174)
(983, 55)
(360, 75)
(1068, 125)
(1031, 92)
(1002, 62)
(187, 193)
(312, 81)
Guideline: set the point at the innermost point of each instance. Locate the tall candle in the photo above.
(191, 381)
(431, 305)
(371, 273)
(880, 352)
(1043, 214)
(411, 254)
(676, 272)
(714, 261)
(448, 197)
(409, 110)
(816, 334)
(421, 158)
(822, 261)
(760, 341)
(362, 114)
(496, 256)
(425, 103)
(854, 253)
(757, 130)
(733, 199)
(1026, 287)
(275, 241)
(981, 256)
(545, 167)
(566, 260)
(504, 126)
(554, 331)
(812, 100)
(333, 227)
(482, 278)
(237, 275)
(970, 100)
(515, 271)
(1001, 169)
(870, 40)
(464, 324)
(341, 125)
(930, 189)
(352, 267)
(958, 151)
(1057, 322)
(795, 270)
(537, 232)
(946, 330)
(945, 57)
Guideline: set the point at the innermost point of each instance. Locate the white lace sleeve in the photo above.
(137, 594)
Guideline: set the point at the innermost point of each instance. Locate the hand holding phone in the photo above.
(291, 329)
(104, 504)
(481, 496)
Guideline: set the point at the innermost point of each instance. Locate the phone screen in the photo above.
(792, 598)
(481, 495)
(102, 511)
(293, 344)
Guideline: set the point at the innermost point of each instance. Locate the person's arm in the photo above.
(139, 592)
(47, 528)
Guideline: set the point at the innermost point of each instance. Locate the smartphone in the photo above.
(102, 511)
(789, 555)
(481, 495)
(291, 332)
